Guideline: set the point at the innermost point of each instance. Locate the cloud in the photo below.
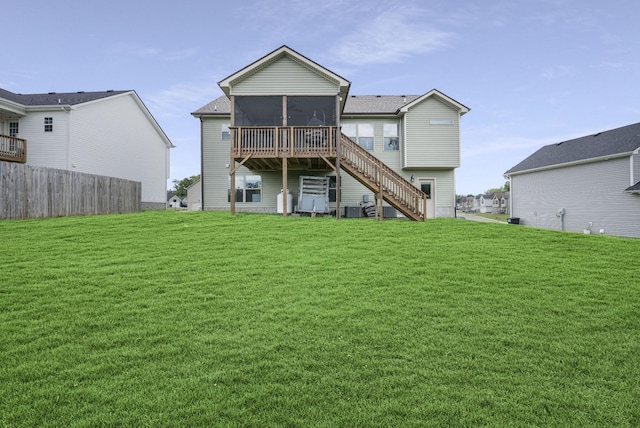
(153, 52)
(556, 72)
(178, 100)
(506, 144)
(391, 37)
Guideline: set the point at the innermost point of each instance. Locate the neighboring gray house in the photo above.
(194, 196)
(110, 133)
(589, 185)
(501, 203)
(285, 116)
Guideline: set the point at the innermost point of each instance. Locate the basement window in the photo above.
(48, 124)
(248, 188)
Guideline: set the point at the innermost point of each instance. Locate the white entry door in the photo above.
(428, 187)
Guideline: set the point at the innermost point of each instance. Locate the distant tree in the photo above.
(180, 186)
(504, 188)
(493, 190)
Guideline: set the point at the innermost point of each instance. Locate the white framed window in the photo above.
(391, 138)
(361, 133)
(226, 134)
(248, 188)
(13, 129)
(48, 124)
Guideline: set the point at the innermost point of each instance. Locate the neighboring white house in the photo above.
(589, 184)
(285, 116)
(485, 203)
(109, 133)
(173, 201)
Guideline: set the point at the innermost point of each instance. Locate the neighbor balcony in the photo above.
(13, 149)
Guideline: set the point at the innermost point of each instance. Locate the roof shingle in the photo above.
(355, 104)
(608, 143)
(53, 98)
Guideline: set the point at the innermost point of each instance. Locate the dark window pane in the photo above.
(258, 111)
(426, 188)
(311, 111)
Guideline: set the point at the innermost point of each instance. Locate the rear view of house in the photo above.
(109, 133)
(588, 185)
(285, 116)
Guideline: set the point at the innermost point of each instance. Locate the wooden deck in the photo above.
(316, 148)
(13, 149)
(265, 148)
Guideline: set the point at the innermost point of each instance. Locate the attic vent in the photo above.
(595, 135)
(378, 96)
(81, 92)
(51, 93)
(353, 96)
(110, 90)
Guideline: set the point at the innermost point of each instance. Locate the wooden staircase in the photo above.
(382, 180)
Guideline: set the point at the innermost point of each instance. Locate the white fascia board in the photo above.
(462, 109)
(567, 164)
(284, 51)
(13, 107)
(152, 119)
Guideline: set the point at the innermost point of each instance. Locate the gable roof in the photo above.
(22, 102)
(53, 98)
(270, 58)
(616, 142)
(462, 109)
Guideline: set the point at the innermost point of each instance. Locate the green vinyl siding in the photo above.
(215, 157)
(285, 77)
(431, 142)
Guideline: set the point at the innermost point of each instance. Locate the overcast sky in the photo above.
(533, 72)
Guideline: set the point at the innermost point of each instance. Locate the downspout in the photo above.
(202, 165)
(510, 196)
(67, 109)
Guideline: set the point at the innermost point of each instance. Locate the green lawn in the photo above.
(203, 319)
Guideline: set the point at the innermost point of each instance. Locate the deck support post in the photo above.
(232, 187)
(380, 198)
(232, 161)
(338, 138)
(284, 187)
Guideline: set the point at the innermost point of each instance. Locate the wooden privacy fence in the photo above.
(35, 192)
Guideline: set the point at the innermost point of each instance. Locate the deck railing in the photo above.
(320, 141)
(283, 141)
(13, 149)
(395, 189)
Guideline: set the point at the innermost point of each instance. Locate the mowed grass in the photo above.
(203, 319)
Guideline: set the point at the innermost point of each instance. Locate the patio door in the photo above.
(428, 187)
